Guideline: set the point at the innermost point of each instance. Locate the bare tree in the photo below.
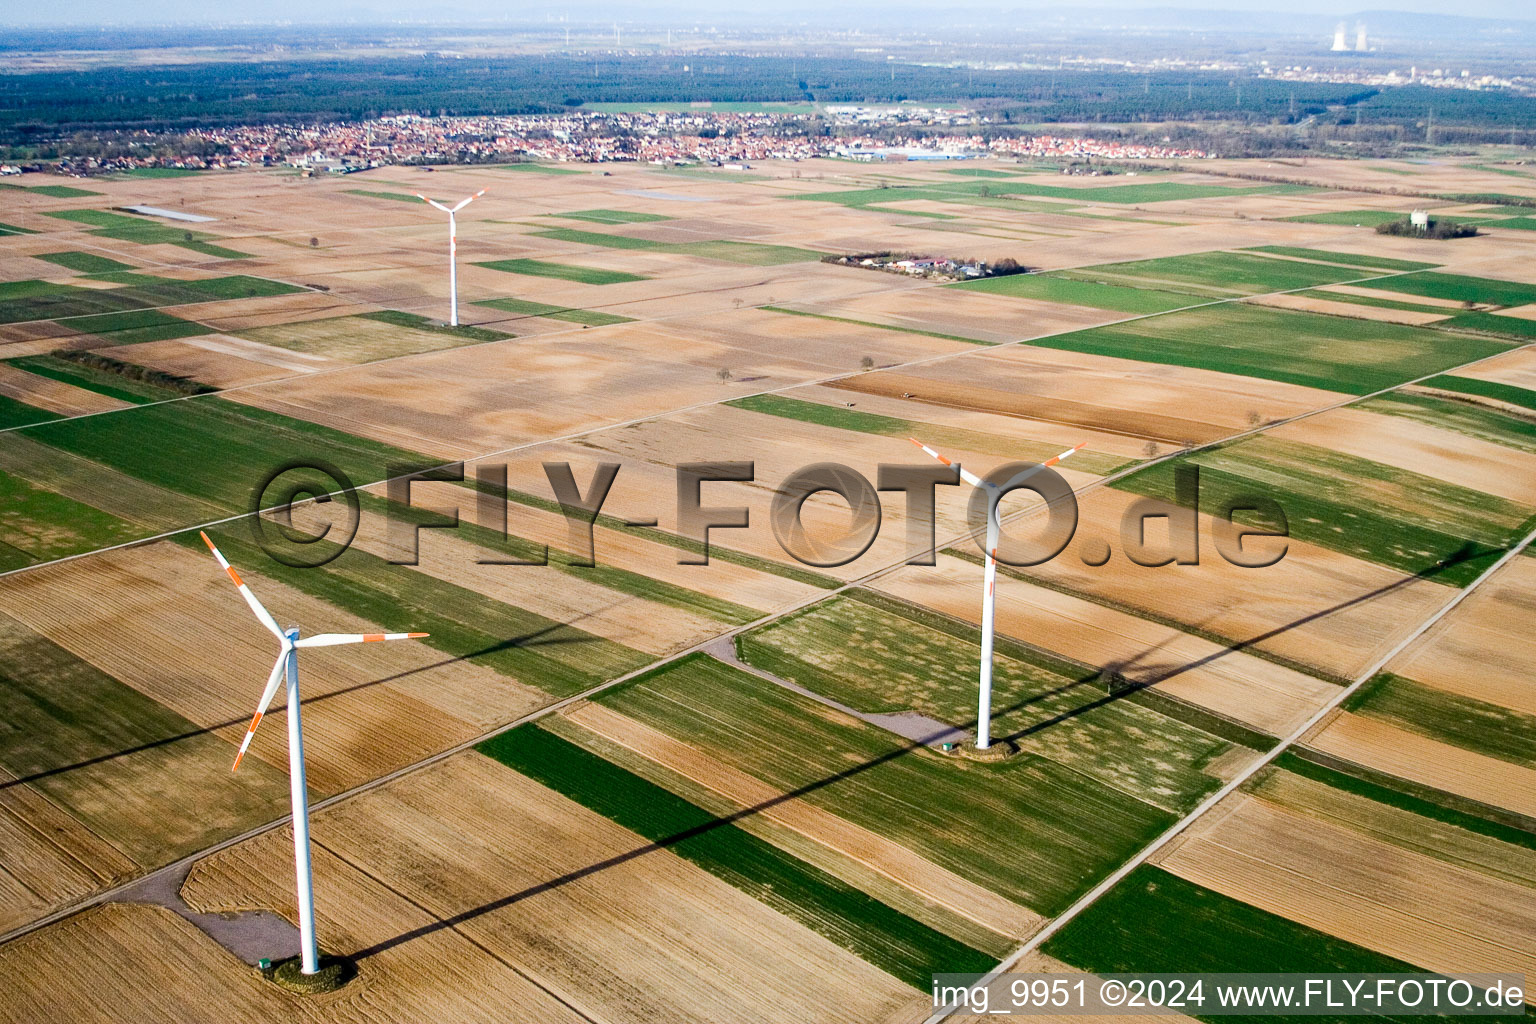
(1150, 451)
(724, 373)
(1254, 419)
(867, 363)
(314, 243)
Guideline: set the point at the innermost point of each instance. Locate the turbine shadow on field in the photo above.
(1463, 554)
(542, 637)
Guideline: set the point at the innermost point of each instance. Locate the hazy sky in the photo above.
(886, 12)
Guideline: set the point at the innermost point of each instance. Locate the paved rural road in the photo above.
(180, 867)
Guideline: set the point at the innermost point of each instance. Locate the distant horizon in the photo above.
(185, 14)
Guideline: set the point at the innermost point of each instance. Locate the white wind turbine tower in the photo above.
(453, 249)
(287, 664)
(989, 598)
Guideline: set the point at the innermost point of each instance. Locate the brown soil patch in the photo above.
(1420, 909)
(55, 396)
(644, 936)
(1446, 455)
(1428, 762)
(1259, 693)
(890, 859)
(1485, 648)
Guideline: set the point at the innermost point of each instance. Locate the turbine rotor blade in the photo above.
(256, 607)
(433, 202)
(278, 671)
(336, 639)
(965, 474)
(1031, 471)
(466, 202)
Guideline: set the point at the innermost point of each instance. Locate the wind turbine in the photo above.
(287, 664)
(989, 598)
(453, 249)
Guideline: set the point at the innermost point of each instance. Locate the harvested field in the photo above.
(1383, 822)
(223, 360)
(644, 937)
(1405, 905)
(1466, 722)
(1234, 684)
(945, 810)
(351, 339)
(964, 312)
(863, 845)
(51, 395)
(1317, 607)
(1096, 392)
(407, 692)
(1386, 748)
(1484, 649)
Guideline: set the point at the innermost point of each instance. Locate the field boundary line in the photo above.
(702, 646)
(1264, 760)
(680, 410)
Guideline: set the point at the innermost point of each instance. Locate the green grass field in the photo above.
(1479, 421)
(1476, 725)
(11, 229)
(1074, 292)
(843, 418)
(146, 232)
(1492, 323)
(1390, 516)
(215, 449)
(869, 323)
(19, 414)
(557, 658)
(603, 216)
(1309, 349)
(158, 172)
(92, 379)
(1349, 258)
(84, 262)
(37, 525)
(417, 322)
(533, 168)
(880, 934)
(43, 300)
(978, 172)
(399, 197)
(1217, 274)
(1459, 288)
(526, 307)
(1350, 218)
(1154, 921)
(1118, 194)
(562, 271)
(1524, 397)
(103, 751)
(748, 253)
(876, 660)
(1028, 828)
(53, 191)
(133, 326)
